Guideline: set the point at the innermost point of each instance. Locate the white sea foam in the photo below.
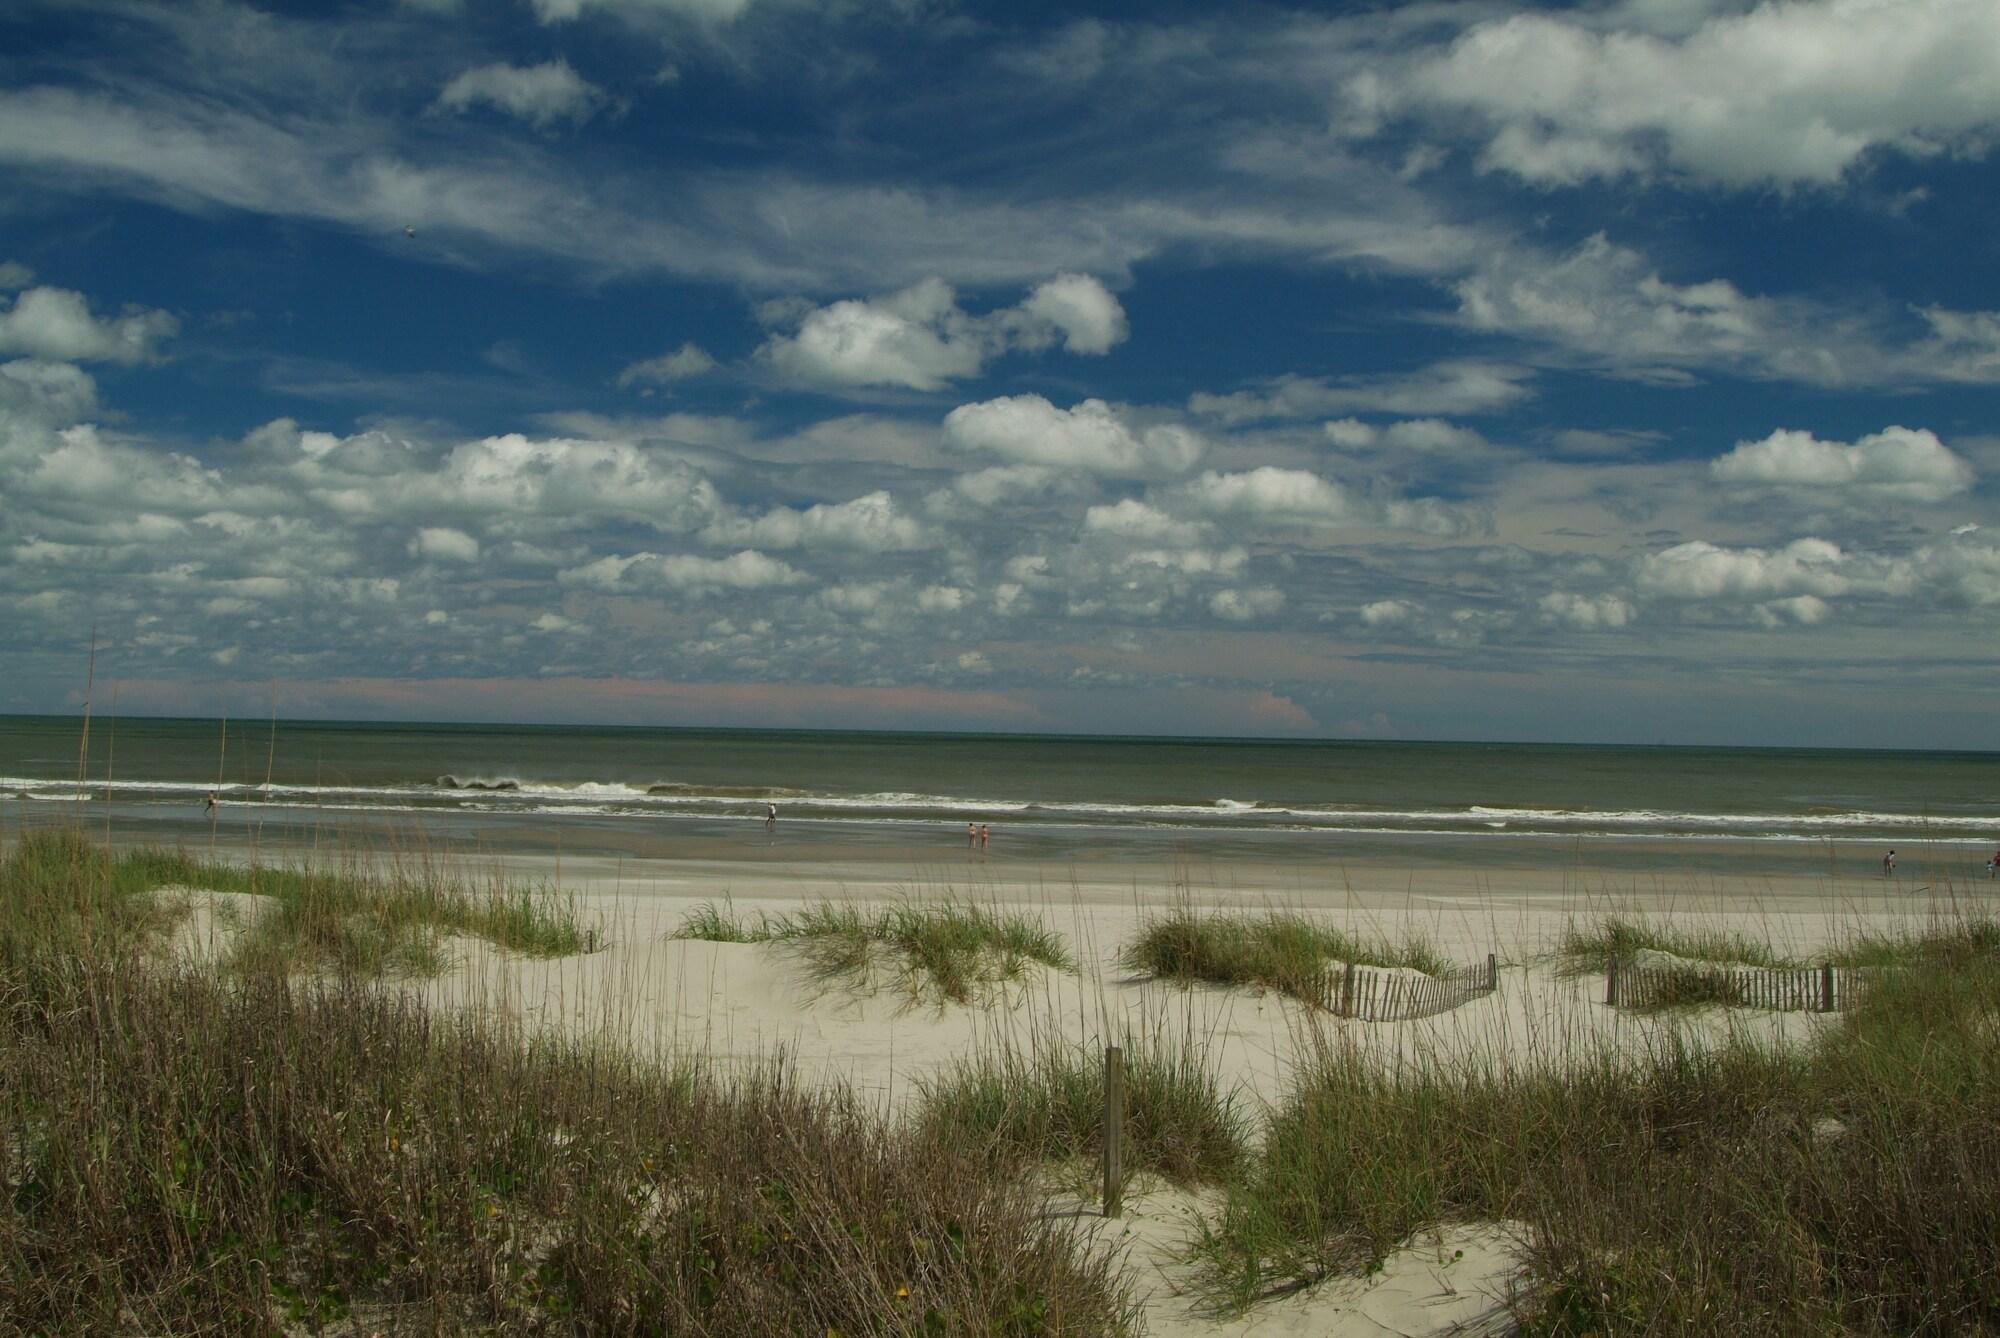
(511, 791)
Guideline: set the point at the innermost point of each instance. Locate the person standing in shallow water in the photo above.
(770, 816)
(971, 835)
(985, 834)
(1889, 865)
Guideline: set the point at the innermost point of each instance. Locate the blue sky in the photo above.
(1617, 372)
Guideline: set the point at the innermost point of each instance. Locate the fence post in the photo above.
(1492, 971)
(1114, 1131)
(1347, 991)
(1611, 984)
(1826, 987)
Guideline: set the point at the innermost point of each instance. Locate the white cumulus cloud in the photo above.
(1271, 495)
(942, 599)
(1803, 610)
(1898, 462)
(1131, 518)
(56, 324)
(1607, 299)
(747, 570)
(921, 339)
(1091, 436)
(541, 95)
(444, 544)
(560, 477)
(54, 392)
(1700, 570)
(1076, 308)
(869, 524)
(989, 487)
(1243, 605)
(1795, 92)
(1387, 612)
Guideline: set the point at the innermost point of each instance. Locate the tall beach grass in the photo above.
(183, 1151)
(1285, 951)
(337, 912)
(1841, 1186)
(946, 950)
(1042, 1101)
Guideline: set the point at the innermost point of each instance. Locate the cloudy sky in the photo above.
(1619, 372)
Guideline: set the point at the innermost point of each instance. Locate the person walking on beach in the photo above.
(1993, 865)
(1889, 865)
(208, 808)
(770, 815)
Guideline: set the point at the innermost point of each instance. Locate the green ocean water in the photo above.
(876, 780)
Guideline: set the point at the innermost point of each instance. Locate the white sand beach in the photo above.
(746, 1002)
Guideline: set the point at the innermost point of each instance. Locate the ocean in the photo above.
(876, 784)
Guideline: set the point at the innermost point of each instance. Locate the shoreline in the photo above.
(705, 858)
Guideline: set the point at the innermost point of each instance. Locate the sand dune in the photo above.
(741, 1003)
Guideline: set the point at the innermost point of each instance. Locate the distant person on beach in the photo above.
(770, 816)
(971, 835)
(1889, 865)
(209, 806)
(1993, 865)
(985, 835)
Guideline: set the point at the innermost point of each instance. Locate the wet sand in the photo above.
(702, 858)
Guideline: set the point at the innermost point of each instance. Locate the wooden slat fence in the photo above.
(1391, 996)
(1824, 988)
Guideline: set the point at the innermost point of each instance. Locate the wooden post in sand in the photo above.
(1826, 987)
(1611, 983)
(1492, 971)
(1114, 1131)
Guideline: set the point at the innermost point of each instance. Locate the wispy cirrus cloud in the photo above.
(1606, 306)
(1449, 388)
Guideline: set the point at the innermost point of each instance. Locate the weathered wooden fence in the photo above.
(1393, 996)
(1808, 989)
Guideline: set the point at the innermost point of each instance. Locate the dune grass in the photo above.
(255, 1152)
(267, 1151)
(182, 1155)
(1591, 947)
(1841, 1187)
(1044, 1102)
(943, 951)
(1280, 950)
(1704, 974)
(332, 915)
(59, 891)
